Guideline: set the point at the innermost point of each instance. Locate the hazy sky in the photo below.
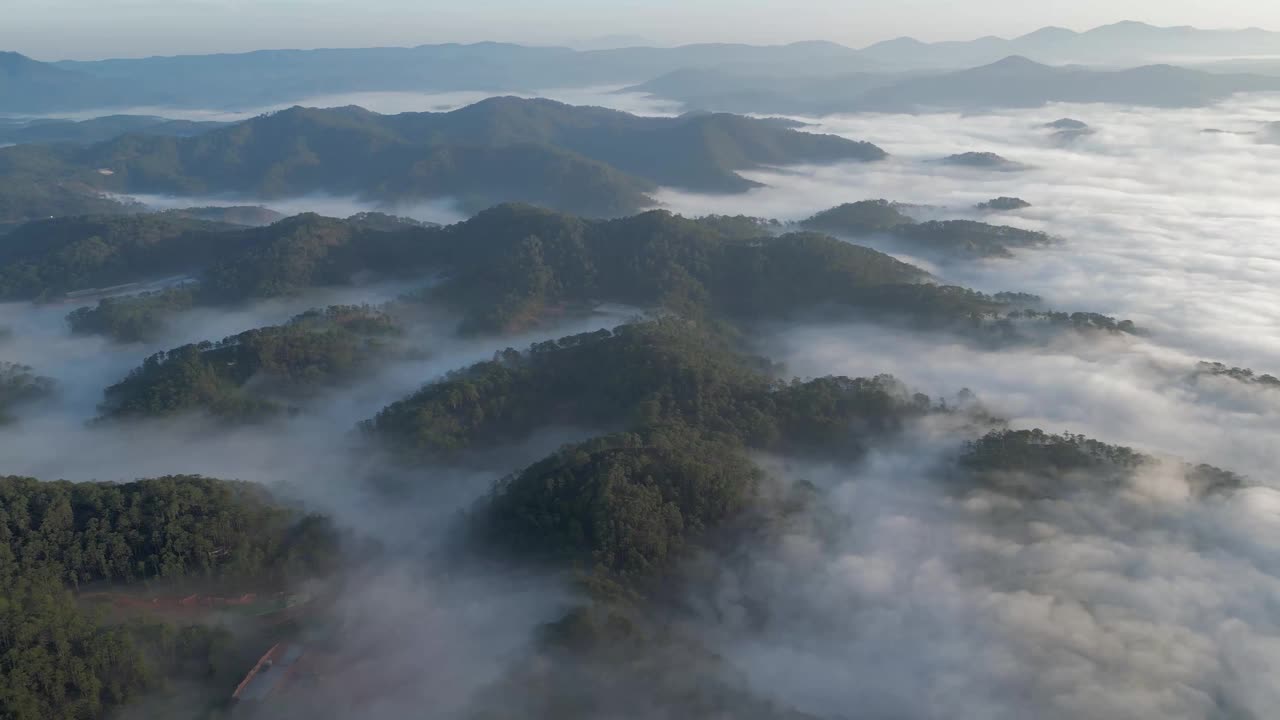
(53, 29)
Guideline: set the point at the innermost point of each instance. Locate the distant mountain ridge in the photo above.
(266, 77)
(28, 85)
(1127, 42)
(1020, 82)
(101, 128)
(1011, 82)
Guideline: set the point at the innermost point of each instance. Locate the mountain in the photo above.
(586, 160)
(99, 129)
(943, 238)
(1019, 82)
(52, 257)
(1123, 43)
(269, 77)
(28, 85)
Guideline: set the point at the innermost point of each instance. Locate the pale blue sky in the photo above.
(53, 29)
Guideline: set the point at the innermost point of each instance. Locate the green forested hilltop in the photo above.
(512, 262)
(947, 237)
(313, 350)
(1033, 462)
(639, 376)
(859, 218)
(627, 505)
(578, 159)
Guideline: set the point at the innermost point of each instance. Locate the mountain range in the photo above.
(1012, 82)
(587, 160)
(1116, 44)
(266, 77)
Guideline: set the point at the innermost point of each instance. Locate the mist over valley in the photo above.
(913, 381)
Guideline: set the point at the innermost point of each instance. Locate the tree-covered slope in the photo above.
(53, 257)
(256, 373)
(511, 262)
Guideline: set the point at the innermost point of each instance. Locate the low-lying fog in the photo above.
(1160, 222)
(308, 456)
(392, 102)
(905, 601)
(1135, 604)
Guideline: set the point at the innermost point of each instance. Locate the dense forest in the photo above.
(165, 528)
(667, 371)
(50, 258)
(60, 659)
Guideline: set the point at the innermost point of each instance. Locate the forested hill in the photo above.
(664, 372)
(586, 160)
(284, 363)
(505, 269)
(964, 238)
(52, 257)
